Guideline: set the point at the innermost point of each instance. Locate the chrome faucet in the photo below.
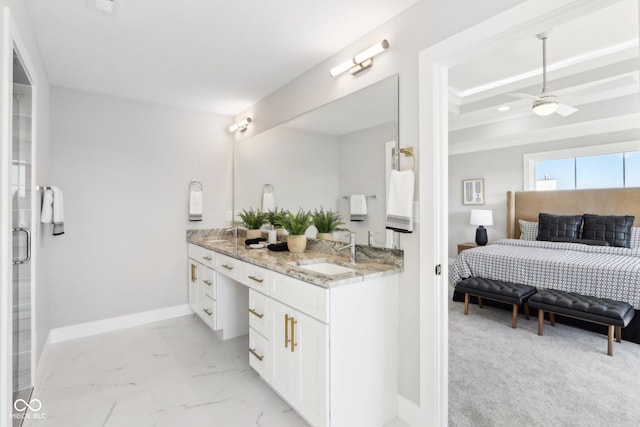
(235, 233)
(352, 246)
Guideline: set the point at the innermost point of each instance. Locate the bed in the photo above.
(601, 271)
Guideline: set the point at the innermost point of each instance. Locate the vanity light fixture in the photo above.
(361, 61)
(241, 125)
(504, 108)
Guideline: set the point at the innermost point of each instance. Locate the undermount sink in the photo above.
(327, 268)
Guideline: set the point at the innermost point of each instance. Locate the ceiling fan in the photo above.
(546, 103)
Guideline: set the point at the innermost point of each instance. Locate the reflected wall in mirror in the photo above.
(321, 158)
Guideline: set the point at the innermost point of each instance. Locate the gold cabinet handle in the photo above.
(209, 312)
(193, 272)
(293, 333)
(207, 257)
(255, 313)
(253, 351)
(228, 267)
(208, 282)
(256, 279)
(286, 330)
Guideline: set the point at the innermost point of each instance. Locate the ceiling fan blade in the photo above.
(565, 110)
(524, 96)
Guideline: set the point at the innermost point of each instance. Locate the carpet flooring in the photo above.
(499, 376)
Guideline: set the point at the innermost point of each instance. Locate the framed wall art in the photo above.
(473, 192)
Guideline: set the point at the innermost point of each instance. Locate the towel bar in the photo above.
(368, 197)
(42, 187)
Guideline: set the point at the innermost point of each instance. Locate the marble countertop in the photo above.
(289, 263)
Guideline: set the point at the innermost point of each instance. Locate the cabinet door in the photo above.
(281, 367)
(311, 350)
(298, 365)
(194, 272)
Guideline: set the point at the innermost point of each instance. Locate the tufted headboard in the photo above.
(527, 205)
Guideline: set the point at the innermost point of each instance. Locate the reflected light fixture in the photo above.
(361, 61)
(241, 125)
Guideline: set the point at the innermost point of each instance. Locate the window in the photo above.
(604, 166)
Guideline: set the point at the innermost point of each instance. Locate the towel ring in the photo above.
(407, 152)
(193, 183)
(267, 188)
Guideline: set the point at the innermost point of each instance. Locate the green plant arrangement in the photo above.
(296, 225)
(327, 221)
(273, 216)
(252, 219)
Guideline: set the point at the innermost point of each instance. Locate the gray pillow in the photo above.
(528, 230)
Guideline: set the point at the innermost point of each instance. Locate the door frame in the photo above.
(10, 40)
(528, 18)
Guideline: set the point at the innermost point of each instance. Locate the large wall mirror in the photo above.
(323, 157)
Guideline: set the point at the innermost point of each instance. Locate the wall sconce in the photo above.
(241, 125)
(361, 61)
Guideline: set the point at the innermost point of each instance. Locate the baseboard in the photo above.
(87, 329)
(409, 411)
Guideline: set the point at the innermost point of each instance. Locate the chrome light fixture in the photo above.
(361, 61)
(241, 125)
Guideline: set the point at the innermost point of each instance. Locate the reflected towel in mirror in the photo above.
(358, 203)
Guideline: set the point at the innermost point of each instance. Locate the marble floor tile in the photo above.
(172, 373)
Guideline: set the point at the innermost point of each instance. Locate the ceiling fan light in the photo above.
(545, 108)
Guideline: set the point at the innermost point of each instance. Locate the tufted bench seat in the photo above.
(496, 290)
(604, 311)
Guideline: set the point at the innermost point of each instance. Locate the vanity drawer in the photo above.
(259, 312)
(256, 277)
(231, 267)
(310, 299)
(258, 353)
(202, 255)
(208, 277)
(208, 311)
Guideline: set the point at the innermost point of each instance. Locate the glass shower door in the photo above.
(21, 189)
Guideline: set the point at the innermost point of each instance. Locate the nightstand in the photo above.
(465, 246)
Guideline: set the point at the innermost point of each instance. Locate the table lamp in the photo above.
(481, 217)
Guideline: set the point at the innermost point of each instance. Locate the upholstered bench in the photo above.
(496, 290)
(604, 311)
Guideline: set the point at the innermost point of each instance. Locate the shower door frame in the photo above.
(10, 40)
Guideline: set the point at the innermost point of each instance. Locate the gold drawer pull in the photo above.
(293, 333)
(208, 282)
(253, 351)
(286, 330)
(209, 312)
(193, 272)
(255, 313)
(228, 267)
(207, 257)
(256, 279)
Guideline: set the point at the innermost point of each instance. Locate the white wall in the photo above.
(419, 27)
(124, 167)
(502, 171)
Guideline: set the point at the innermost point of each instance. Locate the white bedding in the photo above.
(600, 271)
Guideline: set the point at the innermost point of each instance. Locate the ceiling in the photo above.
(590, 59)
(214, 56)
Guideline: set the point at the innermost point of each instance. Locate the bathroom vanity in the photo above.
(322, 332)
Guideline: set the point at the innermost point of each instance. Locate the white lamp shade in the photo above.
(481, 217)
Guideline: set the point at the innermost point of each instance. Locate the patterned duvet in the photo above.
(599, 271)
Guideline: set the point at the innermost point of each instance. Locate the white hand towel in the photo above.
(58, 212)
(268, 202)
(400, 201)
(195, 205)
(46, 216)
(358, 204)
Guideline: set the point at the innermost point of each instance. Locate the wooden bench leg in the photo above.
(619, 333)
(526, 310)
(514, 317)
(552, 319)
(466, 303)
(610, 339)
(540, 321)
(480, 302)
